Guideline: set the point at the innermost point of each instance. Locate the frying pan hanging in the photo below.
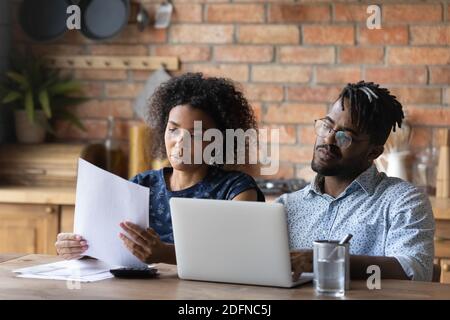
(43, 20)
(104, 19)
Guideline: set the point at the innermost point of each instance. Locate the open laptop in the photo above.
(232, 241)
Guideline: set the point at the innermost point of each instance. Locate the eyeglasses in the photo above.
(343, 138)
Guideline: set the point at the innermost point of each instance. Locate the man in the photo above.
(391, 220)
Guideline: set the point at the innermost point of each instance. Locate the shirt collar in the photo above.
(367, 181)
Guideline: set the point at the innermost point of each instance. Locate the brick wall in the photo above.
(292, 58)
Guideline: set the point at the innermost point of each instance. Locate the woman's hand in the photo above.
(301, 261)
(145, 244)
(70, 246)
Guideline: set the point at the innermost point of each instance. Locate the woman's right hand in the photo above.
(70, 246)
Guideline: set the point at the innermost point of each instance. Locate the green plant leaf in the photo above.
(17, 77)
(11, 97)
(29, 105)
(64, 87)
(41, 87)
(45, 103)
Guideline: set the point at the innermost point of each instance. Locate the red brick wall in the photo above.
(291, 56)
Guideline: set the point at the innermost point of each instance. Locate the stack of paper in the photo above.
(85, 270)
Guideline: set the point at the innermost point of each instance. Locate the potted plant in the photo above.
(38, 94)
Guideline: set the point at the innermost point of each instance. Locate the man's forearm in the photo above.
(389, 266)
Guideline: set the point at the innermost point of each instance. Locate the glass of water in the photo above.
(330, 268)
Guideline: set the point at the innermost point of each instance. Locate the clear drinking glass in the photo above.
(330, 267)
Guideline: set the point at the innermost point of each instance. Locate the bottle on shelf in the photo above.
(115, 157)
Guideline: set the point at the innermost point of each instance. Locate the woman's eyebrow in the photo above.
(177, 125)
(174, 123)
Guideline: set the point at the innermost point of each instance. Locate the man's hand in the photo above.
(301, 261)
(145, 244)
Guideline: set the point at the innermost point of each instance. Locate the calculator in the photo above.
(135, 273)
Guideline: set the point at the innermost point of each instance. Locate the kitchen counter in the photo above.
(66, 196)
(37, 195)
(168, 286)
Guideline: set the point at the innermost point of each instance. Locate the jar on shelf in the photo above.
(424, 170)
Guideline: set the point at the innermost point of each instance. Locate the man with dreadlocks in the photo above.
(391, 220)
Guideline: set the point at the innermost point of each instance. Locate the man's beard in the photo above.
(335, 170)
(342, 170)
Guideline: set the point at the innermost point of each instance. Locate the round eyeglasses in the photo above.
(343, 138)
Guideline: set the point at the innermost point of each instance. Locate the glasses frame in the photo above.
(335, 132)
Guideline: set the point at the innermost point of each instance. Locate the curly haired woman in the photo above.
(174, 108)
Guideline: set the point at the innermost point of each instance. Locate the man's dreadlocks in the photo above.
(373, 110)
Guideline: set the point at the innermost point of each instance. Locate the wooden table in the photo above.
(9, 256)
(168, 286)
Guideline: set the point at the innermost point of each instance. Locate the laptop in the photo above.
(232, 241)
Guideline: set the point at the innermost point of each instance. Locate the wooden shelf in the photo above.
(114, 62)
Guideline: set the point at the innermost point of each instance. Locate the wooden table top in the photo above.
(9, 256)
(168, 286)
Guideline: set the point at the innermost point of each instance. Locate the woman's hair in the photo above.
(217, 97)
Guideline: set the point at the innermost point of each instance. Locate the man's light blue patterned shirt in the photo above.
(387, 217)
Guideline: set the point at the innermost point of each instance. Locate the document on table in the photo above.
(103, 201)
(85, 270)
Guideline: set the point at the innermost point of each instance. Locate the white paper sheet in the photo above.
(85, 270)
(91, 278)
(103, 201)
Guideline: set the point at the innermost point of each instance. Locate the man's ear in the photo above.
(375, 153)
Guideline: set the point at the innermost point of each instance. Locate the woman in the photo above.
(174, 108)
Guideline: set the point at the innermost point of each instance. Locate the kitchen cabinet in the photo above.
(31, 218)
(66, 219)
(441, 211)
(445, 267)
(37, 193)
(28, 228)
